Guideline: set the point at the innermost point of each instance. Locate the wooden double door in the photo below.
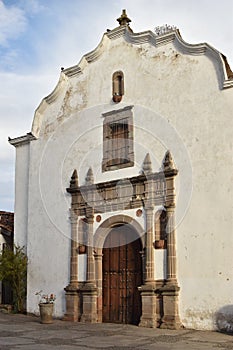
(122, 275)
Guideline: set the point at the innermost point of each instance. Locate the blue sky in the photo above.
(38, 37)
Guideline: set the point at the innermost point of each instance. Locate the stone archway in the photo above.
(122, 275)
(134, 233)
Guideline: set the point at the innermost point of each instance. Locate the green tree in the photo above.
(13, 269)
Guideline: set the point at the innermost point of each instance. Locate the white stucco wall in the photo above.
(178, 105)
(21, 194)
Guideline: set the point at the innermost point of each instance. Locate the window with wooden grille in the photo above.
(118, 139)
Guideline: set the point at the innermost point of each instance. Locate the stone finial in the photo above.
(74, 179)
(147, 165)
(123, 20)
(89, 177)
(168, 163)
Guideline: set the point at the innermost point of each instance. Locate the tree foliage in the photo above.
(13, 269)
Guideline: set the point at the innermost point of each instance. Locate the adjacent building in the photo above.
(6, 240)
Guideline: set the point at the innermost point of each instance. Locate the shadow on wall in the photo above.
(224, 319)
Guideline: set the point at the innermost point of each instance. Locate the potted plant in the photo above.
(46, 306)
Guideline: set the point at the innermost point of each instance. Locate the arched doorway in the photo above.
(122, 274)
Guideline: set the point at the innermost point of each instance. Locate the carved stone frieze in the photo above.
(124, 194)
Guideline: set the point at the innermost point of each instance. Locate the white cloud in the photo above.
(31, 6)
(18, 100)
(12, 23)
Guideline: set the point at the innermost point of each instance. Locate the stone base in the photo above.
(72, 304)
(171, 319)
(170, 322)
(149, 317)
(89, 297)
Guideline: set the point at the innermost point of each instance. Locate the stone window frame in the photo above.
(120, 116)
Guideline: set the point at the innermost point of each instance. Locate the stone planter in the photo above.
(46, 313)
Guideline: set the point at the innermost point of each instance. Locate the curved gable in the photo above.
(225, 75)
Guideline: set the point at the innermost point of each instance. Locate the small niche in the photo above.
(117, 86)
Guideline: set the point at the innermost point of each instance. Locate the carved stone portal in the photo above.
(159, 298)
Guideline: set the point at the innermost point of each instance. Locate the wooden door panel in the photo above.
(122, 274)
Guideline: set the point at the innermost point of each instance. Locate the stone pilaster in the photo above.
(150, 277)
(99, 279)
(72, 293)
(89, 290)
(90, 252)
(171, 246)
(149, 317)
(170, 291)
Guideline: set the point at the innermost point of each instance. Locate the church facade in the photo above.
(123, 186)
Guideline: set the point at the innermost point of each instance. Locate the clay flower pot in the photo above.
(159, 244)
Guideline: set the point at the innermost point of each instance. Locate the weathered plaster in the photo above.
(179, 104)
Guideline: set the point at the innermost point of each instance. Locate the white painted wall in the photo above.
(21, 194)
(178, 105)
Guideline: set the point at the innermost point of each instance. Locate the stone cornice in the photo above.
(137, 191)
(22, 140)
(117, 111)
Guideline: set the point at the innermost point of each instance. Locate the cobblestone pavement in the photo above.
(21, 332)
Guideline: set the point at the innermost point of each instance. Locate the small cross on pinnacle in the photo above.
(123, 19)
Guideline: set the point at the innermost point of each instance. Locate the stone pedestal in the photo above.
(149, 317)
(171, 319)
(159, 302)
(89, 297)
(72, 304)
